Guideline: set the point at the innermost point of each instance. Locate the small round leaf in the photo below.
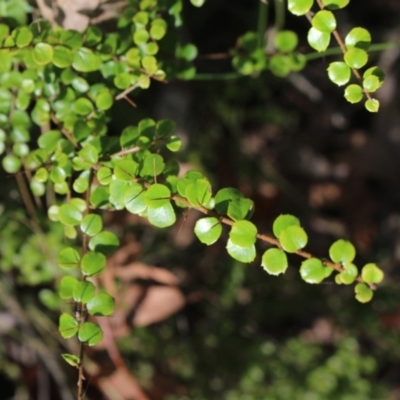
(300, 7)
(90, 333)
(283, 222)
(208, 230)
(104, 242)
(162, 217)
(91, 224)
(69, 214)
(371, 273)
(293, 239)
(274, 261)
(339, 73)
(157, 195)
(363, 293)
(68, 258)
(372, 105)
(358, 37)
(68, 326)
(312, 270)
(83, 291)
(318, 40)
(93, 263)
(324, 21)
(242, 254)
(101, 304)
(356, 58)
(243, 233)
(353, 93)
(342, 251)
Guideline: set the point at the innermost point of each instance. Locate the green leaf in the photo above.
(197, 3)
(342, 251)
(335, 4)
(324, 21)
(223, 199)
(158, 29)
(286, 41)
(104, 242)
(71, 359)
(83, 106)
(134, 199)
(359, 38)
(62, 57)
(100, 197)
(83, 291)
(372, 105)
(126, 170)
(363, 293)
(293, 239)
(243, 233)
(69, 214)
(67, 287)
(23, 36)
(104, 100)
(68, 258)
(280, 65)
(90, 333)
(117, 192)
(68, 326)
(162, 217)
(283, 222)
(208, 230)
(242, 254)
(91, 224)
(371, 273)
(104, 175)
(312, 270)
(198, 193)
(129, 136)
(375, 71)
(371, 83)
(42, 53)
(85, 60)
(153, 165)
(157, 196)
(11, 164)
(349, 273)
(141, 36)
(240, 208)
(102, 304)
(187, 52)
(274, 261)
(89, 154)
(165, 127)
(93, 263)
(356, 58)
(353, 93)
(174, 143)
(300, 7)
(318, 40)
(339, 73)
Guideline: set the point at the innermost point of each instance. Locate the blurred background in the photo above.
(192, 323)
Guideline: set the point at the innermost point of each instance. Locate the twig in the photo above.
(264, 237)
(344, 50)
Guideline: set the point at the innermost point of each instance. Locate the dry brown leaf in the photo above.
(121, 385)
(138, 270)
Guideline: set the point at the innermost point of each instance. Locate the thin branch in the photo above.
(262, 23)
(264, 237)
(344, 50)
